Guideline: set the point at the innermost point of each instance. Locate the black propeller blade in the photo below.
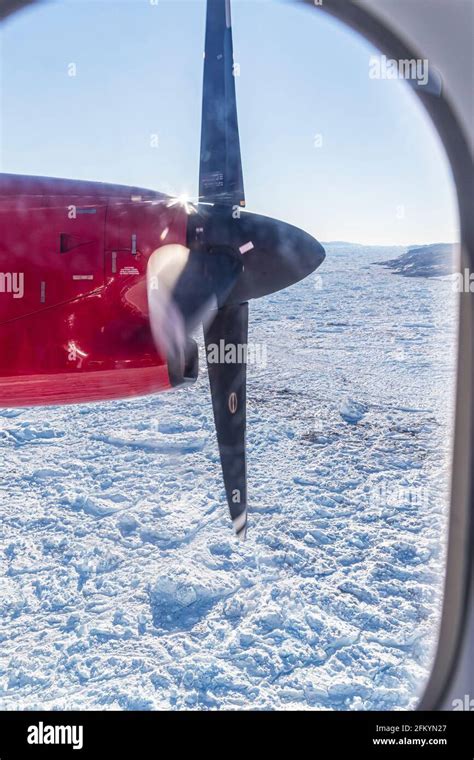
(220, 172)
(274, 254)
(221, 183)
(228, 390)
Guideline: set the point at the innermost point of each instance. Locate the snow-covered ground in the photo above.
(122, 586)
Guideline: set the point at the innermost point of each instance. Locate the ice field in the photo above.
(121, 583)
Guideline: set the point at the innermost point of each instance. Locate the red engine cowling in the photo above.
(73, 303)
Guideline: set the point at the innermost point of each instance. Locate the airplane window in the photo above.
(123, 584)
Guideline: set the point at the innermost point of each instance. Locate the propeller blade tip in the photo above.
(240, 525)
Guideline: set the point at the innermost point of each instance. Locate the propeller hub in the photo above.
(274, 254)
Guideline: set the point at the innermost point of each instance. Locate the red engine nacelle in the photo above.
(73, 303)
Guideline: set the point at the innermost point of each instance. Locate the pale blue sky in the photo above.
(380, 176)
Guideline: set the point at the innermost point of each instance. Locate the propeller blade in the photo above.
(228, 383)
(273, 254)
(220, 171)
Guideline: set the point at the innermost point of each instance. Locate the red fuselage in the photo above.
(73, 302)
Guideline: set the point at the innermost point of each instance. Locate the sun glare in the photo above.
(183, 201)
